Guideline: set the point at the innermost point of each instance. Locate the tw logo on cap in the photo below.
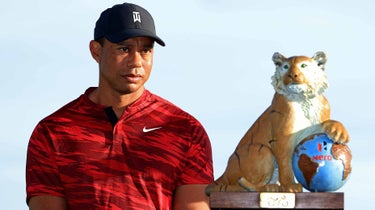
(137, 17)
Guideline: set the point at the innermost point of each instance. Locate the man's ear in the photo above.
(95, 49)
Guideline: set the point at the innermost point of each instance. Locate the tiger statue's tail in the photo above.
(220, 186)
(242, 185)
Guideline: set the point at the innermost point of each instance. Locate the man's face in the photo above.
(126, 66)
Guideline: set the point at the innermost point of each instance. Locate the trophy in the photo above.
(294, 144)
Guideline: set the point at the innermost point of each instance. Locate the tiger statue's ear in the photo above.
(278, 59)
(321, 58)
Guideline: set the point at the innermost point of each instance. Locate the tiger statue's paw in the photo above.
(270, 188)
(336, 131)
(258, 188)
(294, 188)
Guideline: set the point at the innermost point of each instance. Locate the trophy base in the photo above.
(268, 200)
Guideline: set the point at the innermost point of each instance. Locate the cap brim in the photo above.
(131, 33)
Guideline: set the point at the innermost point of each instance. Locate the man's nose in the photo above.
(135, 60)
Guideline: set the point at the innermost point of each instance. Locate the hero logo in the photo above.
(321, 147)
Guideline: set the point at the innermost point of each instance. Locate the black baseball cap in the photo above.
(125, 21)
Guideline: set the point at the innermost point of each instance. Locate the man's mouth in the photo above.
(132, 78)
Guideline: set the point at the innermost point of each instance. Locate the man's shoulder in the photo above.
(80, 105)
(167, 105)
(167, 109)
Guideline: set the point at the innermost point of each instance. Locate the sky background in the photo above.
(216, 65)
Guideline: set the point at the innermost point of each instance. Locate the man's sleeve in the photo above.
(42, 176)
(198, 168)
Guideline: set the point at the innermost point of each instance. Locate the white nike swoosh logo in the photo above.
(145, 130)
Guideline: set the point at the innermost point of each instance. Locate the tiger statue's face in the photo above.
(299, 77)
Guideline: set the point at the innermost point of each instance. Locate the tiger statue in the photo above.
(262, 161)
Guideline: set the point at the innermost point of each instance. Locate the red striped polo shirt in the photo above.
(83, 153)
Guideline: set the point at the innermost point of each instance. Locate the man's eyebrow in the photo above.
(125, 43)
(149, 45)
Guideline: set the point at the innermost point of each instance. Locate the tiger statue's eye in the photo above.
(303, 65)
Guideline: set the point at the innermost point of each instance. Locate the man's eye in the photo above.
(124, 49)
(147, 50)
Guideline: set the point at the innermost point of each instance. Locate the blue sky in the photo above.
(216, 65)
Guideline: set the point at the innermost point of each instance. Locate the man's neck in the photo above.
(114, 99)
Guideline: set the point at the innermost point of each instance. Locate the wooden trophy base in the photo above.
(257, 200)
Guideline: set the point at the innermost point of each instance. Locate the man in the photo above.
(118, 146)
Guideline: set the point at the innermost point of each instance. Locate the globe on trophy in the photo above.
(321, 165)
